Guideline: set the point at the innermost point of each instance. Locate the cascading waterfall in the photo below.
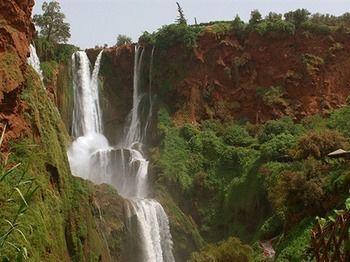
(124, 166)
(86, 113)
(34, 61)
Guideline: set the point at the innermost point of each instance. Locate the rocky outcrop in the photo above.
(16, 32)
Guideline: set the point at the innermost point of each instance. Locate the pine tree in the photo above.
(181, 17)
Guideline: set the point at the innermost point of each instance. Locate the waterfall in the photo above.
(34, 61)
(150, 99)
(86, 112)
(123, 166)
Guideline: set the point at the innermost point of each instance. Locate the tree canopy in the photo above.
(123, 40)
(52, 23)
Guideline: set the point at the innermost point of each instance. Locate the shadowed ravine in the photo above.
(123, 166)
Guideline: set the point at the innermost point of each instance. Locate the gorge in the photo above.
(203, 142)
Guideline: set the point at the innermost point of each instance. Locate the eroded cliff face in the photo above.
(256, 78)
(16, 32)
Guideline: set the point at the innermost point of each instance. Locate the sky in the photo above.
(98, 22)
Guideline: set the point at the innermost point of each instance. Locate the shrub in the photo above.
(272, 95)
(339, 120)
(300, 191)
(255, 18)
(277, 147)
(49, 69)
(315, 28)
(123, 40)
(319, 144)
(312, 62)
(230, 250)
(297, 17)
(280, 126)
(238, 26)
(174, 34)
(274, 23)
(236, 135)
(173, 160)
(147, 38)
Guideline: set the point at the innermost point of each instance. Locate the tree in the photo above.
(51, 23)
(297, 17)
(181, 17)
(255, 17)
(238, 25)
(123, 40)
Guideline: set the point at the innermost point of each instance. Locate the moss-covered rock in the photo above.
(62, 222)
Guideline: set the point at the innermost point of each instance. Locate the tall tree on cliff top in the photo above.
(51, 23)
(181, 17)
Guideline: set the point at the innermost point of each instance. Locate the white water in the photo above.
(86, 113)
(34, 61)
(125, 166)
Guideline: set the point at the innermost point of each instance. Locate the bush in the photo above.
(277, 147)
(238, 26)
(272, 95)
(176, 34)
(173, 160)
(236, 135)
(49, 69)
(123, 40)
(339, 120)
(315, 28)
(297, 17)
(280, 26)
(319, 144)
(255, 18)
(280, 126)
(230, 250)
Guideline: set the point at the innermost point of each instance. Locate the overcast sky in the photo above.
(100, 21)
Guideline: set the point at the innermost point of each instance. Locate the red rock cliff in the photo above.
(252, 77)
(16, 32)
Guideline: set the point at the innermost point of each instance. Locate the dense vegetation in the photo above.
(288, 23)
(263, 181)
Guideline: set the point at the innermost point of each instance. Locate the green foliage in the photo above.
(339, 120)
(295, 246)
(238, 26)
(47, 51)
(319, 144)
(312, 62)
(229, 250)
(49, 70)
(297, 17)
(272, 96)
(174, 156)
(279, 26)
(255, 18)
(315, 28)
(16, 193)
(273, 128)
(176, 34)
(52, 24)
(236, 135)
(123, 40)
(277, 147)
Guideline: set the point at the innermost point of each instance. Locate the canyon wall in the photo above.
(67, 219)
